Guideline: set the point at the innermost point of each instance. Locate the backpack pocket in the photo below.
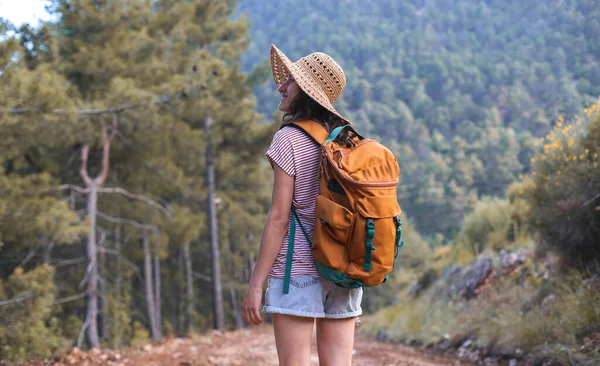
(332, 229)
(372, 247)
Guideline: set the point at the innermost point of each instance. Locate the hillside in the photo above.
(458, 90)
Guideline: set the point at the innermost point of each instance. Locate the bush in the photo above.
(521, 208)
(558, 323)
(566, 178)
(119, 315)
(27, 328)
(140, 336)
(487, 227)
(422, 320)
(416, 253)
(414, 258)
(506, 318)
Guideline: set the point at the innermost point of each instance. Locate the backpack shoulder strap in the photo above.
(318, 133)
(313, 129)
(288, 261)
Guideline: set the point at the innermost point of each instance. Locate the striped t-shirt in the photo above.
(298, 156)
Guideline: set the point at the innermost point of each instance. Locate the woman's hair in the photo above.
(304, 107)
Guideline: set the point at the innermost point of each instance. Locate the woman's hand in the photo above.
(251, 306)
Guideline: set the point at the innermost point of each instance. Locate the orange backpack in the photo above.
(358, 230)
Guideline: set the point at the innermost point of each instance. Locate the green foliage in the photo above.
(487, 227)
(413, 258)
(165, 67)
(456, 89)
(502, 320)
(417, 254)
(141, 336)
(421, 319)
(119, 315)
(564, 182)
(32, 213)
(27, 328)
(523, 309)
(521, 209)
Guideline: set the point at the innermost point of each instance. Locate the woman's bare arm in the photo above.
(270, 244)
(275, 227)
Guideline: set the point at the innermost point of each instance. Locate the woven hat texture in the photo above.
(317, 74)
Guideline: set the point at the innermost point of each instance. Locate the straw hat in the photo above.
(317, 74)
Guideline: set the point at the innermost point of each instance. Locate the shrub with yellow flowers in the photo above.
(562, 194)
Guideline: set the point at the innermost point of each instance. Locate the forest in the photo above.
(134, 189)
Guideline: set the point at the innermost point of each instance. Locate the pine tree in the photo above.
(129, 86)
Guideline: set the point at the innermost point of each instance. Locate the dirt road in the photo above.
(248, 347)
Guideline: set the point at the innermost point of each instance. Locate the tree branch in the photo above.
(122, 191)
(82, 332)
(208, 279)
(83, 170)
(106, 150)
(73, 187)
(119, 109)
(69, 298)
(586, 203)
(27, 258)
(114, 252)
(136, 196)
(68, 262)
(125, 140)
(202, 277)
(118, 220)
(28, 295)
(125, 260)
(88, 270)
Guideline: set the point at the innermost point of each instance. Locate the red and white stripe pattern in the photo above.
(298, 156)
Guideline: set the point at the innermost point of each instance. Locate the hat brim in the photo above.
(282, 67)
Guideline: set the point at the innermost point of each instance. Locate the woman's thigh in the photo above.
(293, 336)
(335, 341)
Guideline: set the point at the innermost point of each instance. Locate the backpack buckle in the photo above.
(369, 247)
(398, 223)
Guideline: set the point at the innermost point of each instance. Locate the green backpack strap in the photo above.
(290, 252)
(369, 244)
(336, 131)
(399, 244)
(288, 260)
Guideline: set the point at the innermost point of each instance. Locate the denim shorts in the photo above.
(312, 297)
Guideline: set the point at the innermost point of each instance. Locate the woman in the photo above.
(308, 88)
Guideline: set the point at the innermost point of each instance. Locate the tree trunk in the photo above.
(180, 300)
(157, 309)
(214, 232)
(102, 315)
(92, 271)
(117, 342)
(239, 324)
(118, 265)
(72, 200)
(48, 252)
(190, 289)
(91, 246)
(148, 289)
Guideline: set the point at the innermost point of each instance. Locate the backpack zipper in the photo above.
(352, 181)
